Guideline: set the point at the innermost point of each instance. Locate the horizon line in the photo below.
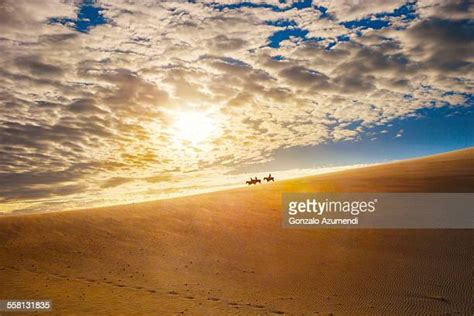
(224, 188)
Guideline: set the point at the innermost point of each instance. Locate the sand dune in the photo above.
(225, 252)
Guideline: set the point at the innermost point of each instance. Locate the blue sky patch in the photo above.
(276, 38)
(89, 15)
(281, 23)
(302, 4)
(407, 12)
(380, 20)
(366, 23)
(278, 58)
(340, 38)
(234, 6)
(323, 10)
(377, 21)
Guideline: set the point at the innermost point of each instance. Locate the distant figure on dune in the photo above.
(257, 180)
(253, 181)
(269, 178)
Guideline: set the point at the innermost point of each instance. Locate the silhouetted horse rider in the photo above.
(269, 178)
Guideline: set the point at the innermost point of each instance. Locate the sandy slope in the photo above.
(225, 252)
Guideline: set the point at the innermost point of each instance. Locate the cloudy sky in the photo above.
(110, 101)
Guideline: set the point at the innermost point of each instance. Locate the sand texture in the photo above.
(226, 253)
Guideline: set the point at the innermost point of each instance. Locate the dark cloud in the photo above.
(31, 193)
(58, 38)
(132, 94)
(115, 181)
(84, 106)
(71, 174)
(222, 43)
(158, 178)
(448, 9)
(348, 84)
(35, 66)
(448, 43)
(305, 77)
(67, 129)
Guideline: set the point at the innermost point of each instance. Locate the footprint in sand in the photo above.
(436, 298)
(286, 298)
(213, 299)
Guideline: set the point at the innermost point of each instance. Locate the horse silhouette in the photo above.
(253, 181)
(269, 178)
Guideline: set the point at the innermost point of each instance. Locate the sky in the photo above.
(111, 102)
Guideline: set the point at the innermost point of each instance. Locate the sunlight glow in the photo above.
(195, 127)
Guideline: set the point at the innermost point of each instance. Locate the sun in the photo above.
(195, 127)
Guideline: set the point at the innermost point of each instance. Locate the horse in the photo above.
(269, 178)
(253, 181)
